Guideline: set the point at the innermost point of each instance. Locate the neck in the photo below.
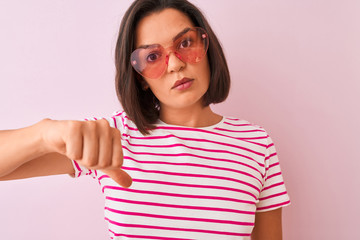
(199, 117)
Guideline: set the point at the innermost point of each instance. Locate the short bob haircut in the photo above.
(141, 106)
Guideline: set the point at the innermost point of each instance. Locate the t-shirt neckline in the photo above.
(161, 123)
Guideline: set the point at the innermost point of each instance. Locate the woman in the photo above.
(194, 174)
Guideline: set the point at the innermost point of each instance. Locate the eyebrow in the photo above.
(180, 34)
(185, 30)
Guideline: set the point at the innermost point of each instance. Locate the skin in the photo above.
(46, 147)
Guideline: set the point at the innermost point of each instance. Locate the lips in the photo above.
(178, 83)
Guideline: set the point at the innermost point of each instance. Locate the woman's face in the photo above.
(161, 28)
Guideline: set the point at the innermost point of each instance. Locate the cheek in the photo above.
(205, 70)
(156, 87)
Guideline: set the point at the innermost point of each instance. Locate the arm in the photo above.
(268, 225)
(21, 147)
(46, 148)
(49, 164)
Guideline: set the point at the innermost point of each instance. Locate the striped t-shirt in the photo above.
(192, 183)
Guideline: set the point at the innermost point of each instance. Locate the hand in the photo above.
(93, 144)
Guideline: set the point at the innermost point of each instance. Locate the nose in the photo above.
(174, 62)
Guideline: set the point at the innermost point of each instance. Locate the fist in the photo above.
(93, 144)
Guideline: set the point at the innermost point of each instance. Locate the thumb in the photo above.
(119, 176)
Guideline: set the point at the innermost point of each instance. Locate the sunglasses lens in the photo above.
(151, 61)
(192, 46)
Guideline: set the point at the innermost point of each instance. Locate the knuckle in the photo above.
(74, 126)
(103, 165)
(90, 164)
(91, 125)
(103, 122)
(74, 156)
(117, 164)
(91, 131)
(116, 133)
(45, 120)
(91, 161)
(117, 161)
(106, 132)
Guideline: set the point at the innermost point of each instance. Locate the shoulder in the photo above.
(246, 131)
(241, 124)
(237, 125)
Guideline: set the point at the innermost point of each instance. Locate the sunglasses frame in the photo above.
(160, 66)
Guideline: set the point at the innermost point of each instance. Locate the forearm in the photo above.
(18, 147)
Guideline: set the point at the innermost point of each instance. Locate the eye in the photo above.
(152, 57)
(185, 43)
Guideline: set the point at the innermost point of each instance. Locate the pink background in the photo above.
(295, 68)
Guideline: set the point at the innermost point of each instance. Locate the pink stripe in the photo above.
(233, 119)
(178, 195)
(274, 195)
(77, 166)
(123, 122)
(274, 205)
(103, 176)
(238, 125)
(274, 164)
(130, 128)
(270, 145)
(119, 113)
(270, 156)
(273, 175)
(272, 186)
(242, 131)
(179, 206)
(189, 155)
(145, 237)
(175, 229)
(115, 124)
(192, 175)
(179, 218)
(255, 138)
(194, 186)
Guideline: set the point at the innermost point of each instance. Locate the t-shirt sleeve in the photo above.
(273, 194)
(120, 121)
(82, 171)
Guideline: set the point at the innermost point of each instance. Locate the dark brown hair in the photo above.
(142, 107)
